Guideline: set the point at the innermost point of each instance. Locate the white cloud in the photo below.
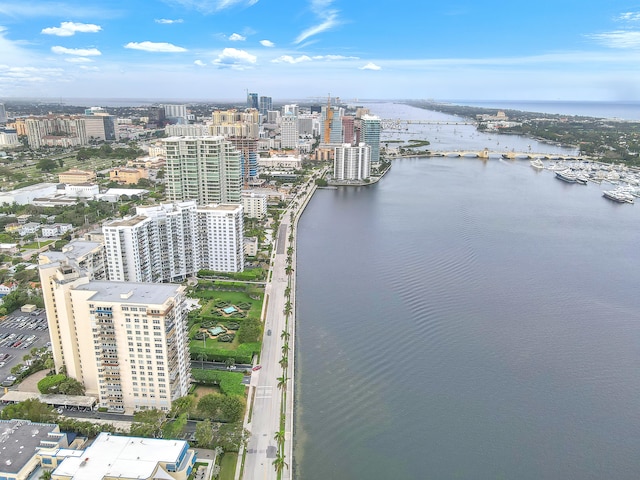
(167, 21)
(9, 75)
(618, 39)
(334, 57)
(267, 43)
(161, 47)
(200, 63)
(89, 68)
(236, 37)
(291, 60)
(80, 52)
(67, 29)
(328, 16)
(211, 6)
(78, 60)
(234, 58)
(330, 21)
(630, 16)
(371, 66)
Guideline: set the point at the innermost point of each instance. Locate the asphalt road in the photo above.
(265, 418)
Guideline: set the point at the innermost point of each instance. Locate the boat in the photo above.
(566, 176)
(581, 179)
(537, 164)
(617, 196)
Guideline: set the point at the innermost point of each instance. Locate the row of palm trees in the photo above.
(279, 462)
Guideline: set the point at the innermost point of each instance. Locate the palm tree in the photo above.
(46, 475)
(282, 382)
(280, 464)
(285, 347)
(287, 292)
(279, 437)
(288, 270)
(284, 362)
(285, 335)
(288, 308)
(290, 250)
(202, 357)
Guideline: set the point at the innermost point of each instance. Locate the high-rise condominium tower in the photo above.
(352, 163)
(266, 104)
(170, 242)
(370, 134)
(289, 131)
(125, 342)
(205, 169)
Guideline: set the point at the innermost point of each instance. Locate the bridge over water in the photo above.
(486, 154)
(391, 123)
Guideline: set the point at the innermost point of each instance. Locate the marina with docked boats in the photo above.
(624, 179)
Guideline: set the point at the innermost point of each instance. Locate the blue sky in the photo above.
(297, 49)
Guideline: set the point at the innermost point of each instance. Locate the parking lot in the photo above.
(19, 333)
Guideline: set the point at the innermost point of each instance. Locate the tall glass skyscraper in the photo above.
(252, 101)
(266, 104)
(370, 134)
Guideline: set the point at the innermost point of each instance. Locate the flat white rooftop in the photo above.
(131, 292)
(125, 457)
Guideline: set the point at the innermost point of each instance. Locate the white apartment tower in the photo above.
(126, 342)
(289, 131)
(3, 114)
(175, 111)
(254, 204)
(352, 163)
(206, 169)
(171, 242)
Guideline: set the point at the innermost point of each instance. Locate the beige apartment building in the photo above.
(125, 342)
(127, 175)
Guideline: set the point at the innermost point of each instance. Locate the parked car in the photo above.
(256, 368)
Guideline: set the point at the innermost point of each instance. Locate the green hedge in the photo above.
(230, 382)
(243, 354)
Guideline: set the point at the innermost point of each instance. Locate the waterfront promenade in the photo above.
(263, 414)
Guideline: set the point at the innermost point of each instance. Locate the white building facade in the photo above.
(289, 131)
(171, 242)
(352, 163)
(254, 204)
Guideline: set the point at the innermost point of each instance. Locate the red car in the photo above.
(256, 368)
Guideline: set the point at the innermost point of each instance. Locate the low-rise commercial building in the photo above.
(77, 177)
(21, 443)
(126, 458)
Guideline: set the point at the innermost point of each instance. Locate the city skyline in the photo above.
(219, 49)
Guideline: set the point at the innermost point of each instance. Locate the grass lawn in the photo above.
(34, 245)
(228, 466)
